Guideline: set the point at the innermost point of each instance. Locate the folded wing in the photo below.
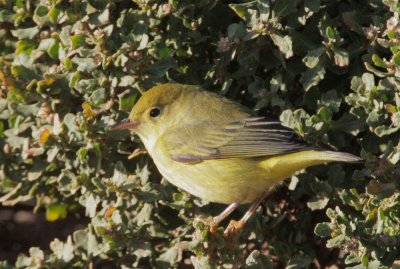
(247, 138)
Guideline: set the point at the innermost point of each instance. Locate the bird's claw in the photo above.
(208, 221)
(232, 232)
(230, 235)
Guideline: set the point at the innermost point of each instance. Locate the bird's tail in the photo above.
(336, 156)
(283, 166)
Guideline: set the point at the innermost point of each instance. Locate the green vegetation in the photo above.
(70, 69)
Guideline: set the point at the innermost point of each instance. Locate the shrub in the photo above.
(328, 69)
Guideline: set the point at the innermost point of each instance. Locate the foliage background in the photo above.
(329, 69)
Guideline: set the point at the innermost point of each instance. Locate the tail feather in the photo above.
(340, 156)
(283, 166)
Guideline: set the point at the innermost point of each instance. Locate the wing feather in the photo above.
(247, 138)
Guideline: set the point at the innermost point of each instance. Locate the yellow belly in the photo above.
(220, 181)
(230, 180)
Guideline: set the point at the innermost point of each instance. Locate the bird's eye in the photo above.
(155, 112)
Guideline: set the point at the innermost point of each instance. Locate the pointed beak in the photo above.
(126, 124)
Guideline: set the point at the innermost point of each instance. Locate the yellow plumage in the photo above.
(214, 149)
(229, 180)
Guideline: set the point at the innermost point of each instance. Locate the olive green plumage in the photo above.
(214, 148)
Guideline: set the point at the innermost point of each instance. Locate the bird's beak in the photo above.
(126, 124)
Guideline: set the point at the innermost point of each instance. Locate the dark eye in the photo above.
(154, 112)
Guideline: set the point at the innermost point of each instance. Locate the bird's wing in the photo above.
(251, 137)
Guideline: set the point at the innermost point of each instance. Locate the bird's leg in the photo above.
(227, 211)
(213, 222)
(235, 227)
(223, 215)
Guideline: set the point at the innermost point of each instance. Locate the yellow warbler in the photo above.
(215, 149)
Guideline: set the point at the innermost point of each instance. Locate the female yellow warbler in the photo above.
(215, 149)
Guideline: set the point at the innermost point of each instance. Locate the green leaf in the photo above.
(375, 71)
(52, 153)
(80, 238)
(53, 14)
(242, 10)
(287, 118)
(396, 58)
(85, 64)
(374, 264)
(284, 8)
(54, 49)
(325, 114)
(93, 245)
(26, 33)
(336, 241)
(313, 57)
(353, 21)
(299, 261)
(170, 256)
(22, 72)
(143, 45)
(264, 9)
(312, 77)
(374, 119)
(352, 258)
(98, 97)
(164, 52)
(341, 57)
(120, 174)
(6, 16)
(159, 68)
(312, 5)
(91, 205)
(330, 32)
(323, 229)
(284, 44)
(25, 46)
(41, 11)
(383, 130)
(318, 202)
(369, 81)
(77, 41)
(237, 31)
(378, 61)
(63, 251)
(144, 215)
(36, 253)
(331, 100)
(257, 260)
(127, 81)
(86, 240)
(126, 100)
(74, 79)
(104, 17)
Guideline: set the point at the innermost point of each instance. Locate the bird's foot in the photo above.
(208, 221)
(232, 232)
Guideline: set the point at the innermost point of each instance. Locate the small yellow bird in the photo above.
(215, 149)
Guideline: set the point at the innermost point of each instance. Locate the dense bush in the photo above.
(70, 69)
